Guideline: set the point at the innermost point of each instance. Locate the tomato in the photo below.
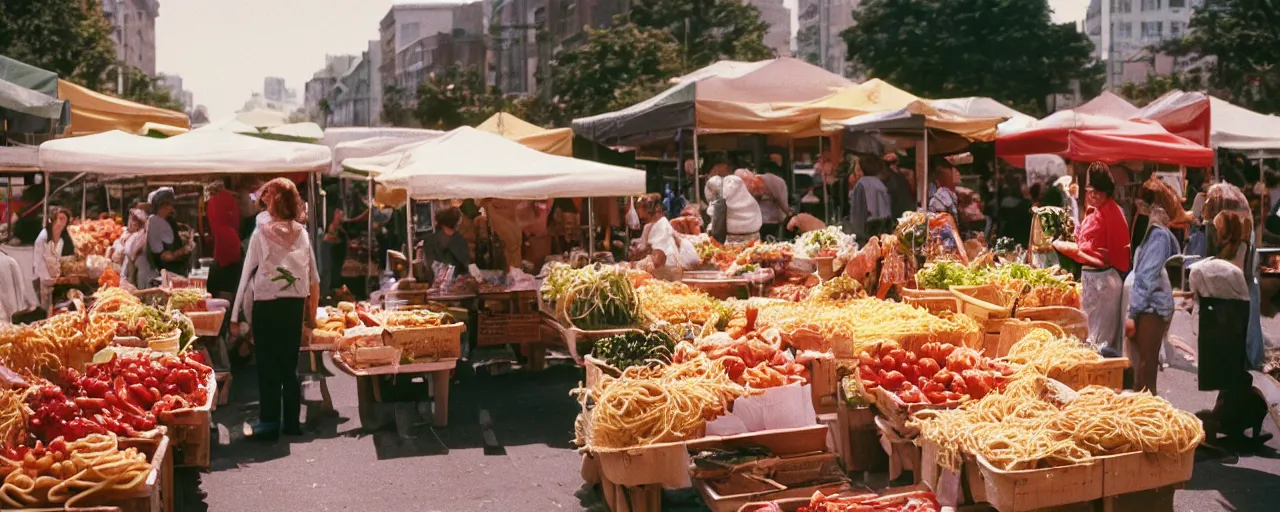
(867, 360)
(888, 363)
(912, 357)
(958, 386)
(944, 377)
(928, 367)
(935, 397)
(888, 346)
(910, 371)
(898, 354)
(866, 373)
(934, 386)
(952, 396)
(893, 380)
(945, 350)
(911, 394)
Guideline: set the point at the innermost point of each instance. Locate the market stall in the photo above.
(93, 112)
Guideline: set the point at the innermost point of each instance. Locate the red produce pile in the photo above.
(938, 374)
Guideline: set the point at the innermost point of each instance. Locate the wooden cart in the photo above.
(396, 384)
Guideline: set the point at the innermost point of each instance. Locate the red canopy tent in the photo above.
(1185, 114)
(1089, 138)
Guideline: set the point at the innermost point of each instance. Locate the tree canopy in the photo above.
(455, 97)
(1243, 37)
(68, 37)
(1009, 50)
(707, 30)
(613, 68)
(148, 90)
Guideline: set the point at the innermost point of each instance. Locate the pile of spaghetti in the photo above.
(1045, 353)
(657, 405)
(89, 471)
(677, 303)
(68, 340)
(1039, 423)
(850, 327)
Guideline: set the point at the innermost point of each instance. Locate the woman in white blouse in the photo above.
(53, 244)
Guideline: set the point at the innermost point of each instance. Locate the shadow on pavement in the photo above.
(1241, 488)
(521, 408)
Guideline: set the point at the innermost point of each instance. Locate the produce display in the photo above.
(597, 297)
(717, 255)
(109, 278)
(635, 349)
(336, 320)
(822, 242)
(933, 235)
(150, 322)
(68, 340)
(657, 405)
(751, 358)
(1047, 287)
(917, 501)
(839, 289)
(859, 323)
(1038, 423)
(94, 237)
(678, 303)
(765, 255)
(415, 318)
(70, 473)
(188, 299)
(937, 374)
(1043, 352)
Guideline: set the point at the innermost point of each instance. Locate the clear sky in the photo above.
(224, 48)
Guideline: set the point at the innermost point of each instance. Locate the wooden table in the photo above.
(314, 352)
(369, 387)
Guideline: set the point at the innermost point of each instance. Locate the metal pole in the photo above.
(84, 198)
(408, 215)
(369, 236)
(47, 184)
(922, 173)
(591, 229)
(697, 168)
(826, 191)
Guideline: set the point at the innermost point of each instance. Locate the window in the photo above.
(1152, 30)
(1122, 6)
(1124, 31)
(1177, 29)
(1177, 4)
(1150, 5)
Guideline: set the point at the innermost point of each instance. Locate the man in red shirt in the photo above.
(1102, 246)
(223, 210)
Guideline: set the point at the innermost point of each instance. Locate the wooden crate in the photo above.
(824, 384)
(897, 413)
(981, 303)
(934, 305)
(508, 328)
(1034, 489)
(903, 453)
(1073, 321)
(155, 496)
(622, 498)
(857, 441)
(1135, 472)
(952, 488)
(427, 344)
(596, 370)
(1107, 373)
(1002, 334)
(189, 430)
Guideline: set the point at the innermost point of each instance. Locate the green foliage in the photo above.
(707, 30)
(456, 97)
(1244, 35)
(613, 68)
(67, 37)
(1156, 86)
(395, 110)
(1009, 50)
(143, 88)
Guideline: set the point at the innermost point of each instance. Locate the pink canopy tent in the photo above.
(1110, 105)
(1090, 137)
(1186, 114)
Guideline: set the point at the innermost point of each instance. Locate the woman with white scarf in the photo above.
(741, 212)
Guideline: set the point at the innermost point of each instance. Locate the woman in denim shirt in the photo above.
(1151, 299)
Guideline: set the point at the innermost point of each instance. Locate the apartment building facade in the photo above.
(1124, 31)
(818, 38)
(133, 30)
(406, 24)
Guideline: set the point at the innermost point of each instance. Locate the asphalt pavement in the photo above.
(524, 461)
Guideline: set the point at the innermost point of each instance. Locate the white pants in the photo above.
(1103, 303)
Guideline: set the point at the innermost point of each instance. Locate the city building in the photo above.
(406, 24)
(173, 84)
(274, 89)
(133, 24)
(778, 16)
(350, 96)
(374, 57)
(322, 81)
(437, 52)
(1131, 28)
(514, 25)
(820, 24)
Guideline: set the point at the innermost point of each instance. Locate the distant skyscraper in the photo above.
(778, 17)
(177, 92)
(133, 25)
(818, 39)
(273, 89)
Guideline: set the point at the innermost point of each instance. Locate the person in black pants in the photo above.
(280, 266)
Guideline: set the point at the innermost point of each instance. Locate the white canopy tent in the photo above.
(979, 107)
(372, 147)
(468, 163)
(19, 159)
(1238, 128)
(335, 136)
(120, 154)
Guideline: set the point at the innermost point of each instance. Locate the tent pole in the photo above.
(368, 253)
(47, 184)
(791, 161)
(84, 198)
(408, 216)
(591, 228)
(922, 173)
(826, 191)
(697, 168)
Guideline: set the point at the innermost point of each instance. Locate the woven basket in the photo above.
(981, 302)
(207, 323)
(427, 344)
(168, 343)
